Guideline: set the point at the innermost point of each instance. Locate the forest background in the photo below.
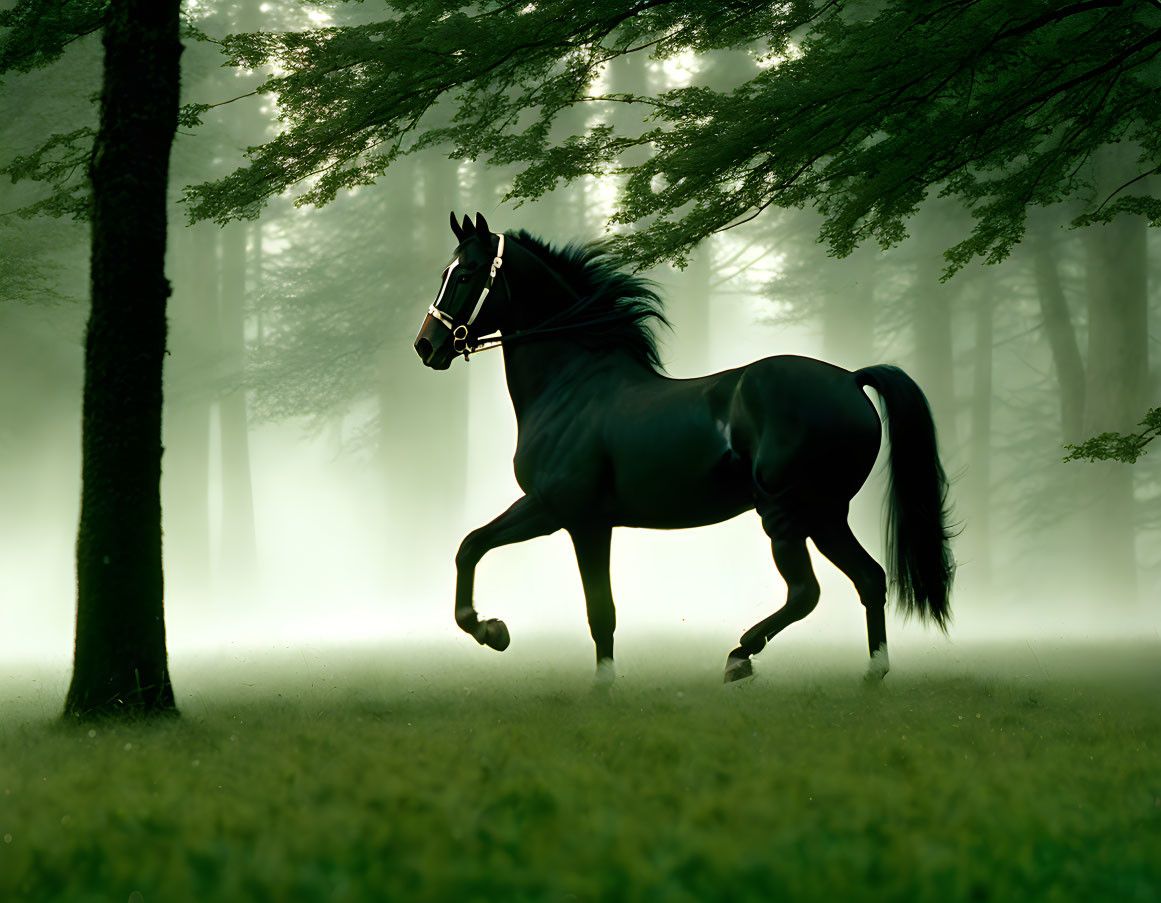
(963, 188)
(301, 433)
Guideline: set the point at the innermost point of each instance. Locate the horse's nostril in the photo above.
(424, 349)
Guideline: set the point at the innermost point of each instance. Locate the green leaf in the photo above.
(1126, 447)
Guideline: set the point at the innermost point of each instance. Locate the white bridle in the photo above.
(460, 332)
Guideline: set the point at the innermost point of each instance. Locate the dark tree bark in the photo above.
(119, 665)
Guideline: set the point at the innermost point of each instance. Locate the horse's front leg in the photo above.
(592, 557)
(526, 519)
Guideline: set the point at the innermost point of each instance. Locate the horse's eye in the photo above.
(464, 277)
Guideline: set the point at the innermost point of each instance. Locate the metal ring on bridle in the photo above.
(460, 339)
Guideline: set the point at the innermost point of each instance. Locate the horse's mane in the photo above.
(615, 307)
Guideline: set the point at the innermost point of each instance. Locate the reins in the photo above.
(486, 343)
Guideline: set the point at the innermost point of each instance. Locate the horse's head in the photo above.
(459, 317)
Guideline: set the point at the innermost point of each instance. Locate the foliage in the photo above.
(61, 161)
(38, 255)
(38, 34)
(29, 273)
(862, 109)
(1126, 447)
(40, 30)
(434, 779)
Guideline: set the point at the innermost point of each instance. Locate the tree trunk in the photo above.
(238, 544)
(189, 405)
(423, 416)
(120, 662)
(237, 540)
(980, 511)
(1117, 326)
(848, 307)
(690, 312)
(848, 340)
(1061, 335)
(1115, 390)
(447, 403)
(934, 349)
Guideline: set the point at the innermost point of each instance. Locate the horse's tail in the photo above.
(920, 563)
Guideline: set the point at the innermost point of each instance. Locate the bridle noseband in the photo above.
(461, 342)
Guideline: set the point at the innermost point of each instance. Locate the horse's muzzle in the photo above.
(434, 345)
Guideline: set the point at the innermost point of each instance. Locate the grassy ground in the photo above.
(1001, 775)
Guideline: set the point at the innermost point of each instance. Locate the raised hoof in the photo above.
(496, 635)
(738, 669)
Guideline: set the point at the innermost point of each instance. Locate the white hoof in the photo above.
(879, 665)
(738, 669)
(606, 673)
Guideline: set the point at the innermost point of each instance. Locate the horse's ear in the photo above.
(467, 228)
(482, 225)
(456, 230)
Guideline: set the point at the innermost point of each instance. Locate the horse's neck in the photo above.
(537, 367)
(540, 371)
(530, 271)
(545, 366)
(533, 366)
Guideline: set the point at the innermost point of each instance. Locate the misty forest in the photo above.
(308, 491)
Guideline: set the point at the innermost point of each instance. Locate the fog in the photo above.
(362, 470)
(346, 553)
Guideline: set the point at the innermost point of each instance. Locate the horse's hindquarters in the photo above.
(808, 428)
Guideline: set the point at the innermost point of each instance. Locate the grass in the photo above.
(996, 777)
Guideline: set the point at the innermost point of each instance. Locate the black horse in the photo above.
(606, 440)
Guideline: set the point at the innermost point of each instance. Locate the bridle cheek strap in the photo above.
(497, 262)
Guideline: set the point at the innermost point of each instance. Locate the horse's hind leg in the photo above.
(526, 519)
(792, 559)
(592, 557)
(838, 543)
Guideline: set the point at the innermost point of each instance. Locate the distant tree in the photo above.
(120, 664)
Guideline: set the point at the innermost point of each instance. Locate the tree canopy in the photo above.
(862, 109)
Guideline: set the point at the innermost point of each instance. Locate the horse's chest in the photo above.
(562, 466)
